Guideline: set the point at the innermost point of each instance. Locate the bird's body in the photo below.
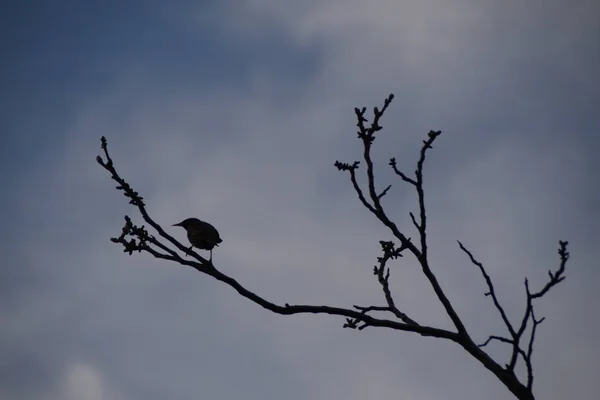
(201, 235)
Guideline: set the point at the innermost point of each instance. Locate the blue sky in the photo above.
(234, 112)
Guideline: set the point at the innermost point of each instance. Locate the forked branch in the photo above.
(367, 135)
(516, 336)
(137, 238)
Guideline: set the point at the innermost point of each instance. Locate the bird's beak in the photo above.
(179, 224)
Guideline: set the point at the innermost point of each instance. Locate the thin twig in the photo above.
(491, 291)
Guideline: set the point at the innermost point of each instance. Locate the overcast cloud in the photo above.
(234, 112)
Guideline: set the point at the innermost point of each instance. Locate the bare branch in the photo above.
(527, 358)
(517, 351)
(137, 238)
(491, 289)
(556, 277)
(367, 309)
(384, 192)
(400, 173)
(137, 201)
(355, 324)
(421, 194)
(390, 252)
(498, 338)
(352, 170)
(140, 243)
(414, 221)
(367, 135)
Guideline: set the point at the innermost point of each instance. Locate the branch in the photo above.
(554, 279)
(137, 201)
(137, 238)
(528, 362)
(506, 375)
(498, 338)
(390, 252)
(491, 292)
(141, 241)
(351, 168)
(419, 173)
(384, 192)
(354, 324)
(516, 335)
(401, 174)
(367, 136)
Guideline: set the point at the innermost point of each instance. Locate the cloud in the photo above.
(252, 153)
(83, 381)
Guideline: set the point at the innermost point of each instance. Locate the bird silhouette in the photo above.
(201, 235)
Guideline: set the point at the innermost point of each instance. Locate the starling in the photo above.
(201, 234)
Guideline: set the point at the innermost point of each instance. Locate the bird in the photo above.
(201, 234)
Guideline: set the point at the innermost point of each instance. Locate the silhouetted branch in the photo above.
(384, 192)
(351, 168)
(390, 252)
(137, 201)
(506, 375)
(516, 335)
(557, 276)
(355, 324)
(421, 194)
(491, 292)
(404, 177)
(367, 136)
(137, 238)
(414, 221)
(528, 362)
(365, 310)
(498, 338)
(141, 241)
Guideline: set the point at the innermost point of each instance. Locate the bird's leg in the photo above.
(188, 251)
(210, 259)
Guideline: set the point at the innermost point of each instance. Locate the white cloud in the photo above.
(83, 381)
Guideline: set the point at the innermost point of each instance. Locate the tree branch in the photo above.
(141, 239)
(367, 136)
(491, 291)
(390, 252)
(516, 335)
(137, 238)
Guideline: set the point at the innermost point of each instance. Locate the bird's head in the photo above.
(187, 223)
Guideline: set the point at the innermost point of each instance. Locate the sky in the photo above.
(234, 112)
